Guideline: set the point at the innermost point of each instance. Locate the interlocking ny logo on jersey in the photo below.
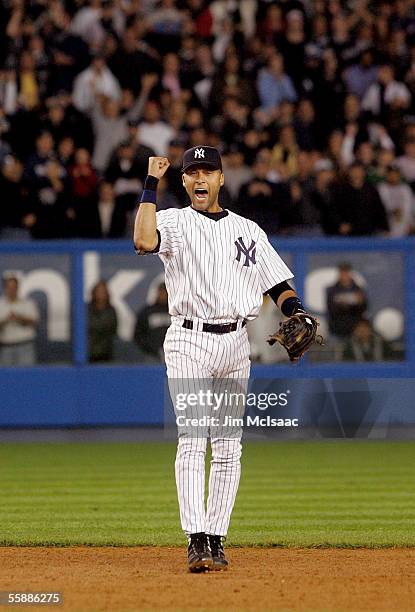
(249, 252)
(199, 154)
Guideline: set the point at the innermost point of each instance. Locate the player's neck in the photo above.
(213, 208)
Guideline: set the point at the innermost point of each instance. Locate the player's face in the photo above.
(202, 184)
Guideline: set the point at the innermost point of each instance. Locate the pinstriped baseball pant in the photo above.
(199, 360)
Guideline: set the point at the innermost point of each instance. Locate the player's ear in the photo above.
(222, 179)
(183, 181)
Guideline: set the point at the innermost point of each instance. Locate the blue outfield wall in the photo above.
(137, 395)
(82, 395)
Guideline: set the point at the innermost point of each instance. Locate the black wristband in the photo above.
(291, 306)
(148, 196)
(278, 289)
(151, 183)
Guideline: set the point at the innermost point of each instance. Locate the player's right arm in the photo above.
(145, 226)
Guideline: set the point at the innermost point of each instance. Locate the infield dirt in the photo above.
(142, 578)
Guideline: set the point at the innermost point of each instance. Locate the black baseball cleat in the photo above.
(198, 552)
(220, 562)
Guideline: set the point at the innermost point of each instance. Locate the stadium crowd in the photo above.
(310, 102)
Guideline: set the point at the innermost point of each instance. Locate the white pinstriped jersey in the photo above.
(216, 270)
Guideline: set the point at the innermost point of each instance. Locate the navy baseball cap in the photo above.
(202, 156)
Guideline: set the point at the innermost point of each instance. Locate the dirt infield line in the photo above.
(147, 578)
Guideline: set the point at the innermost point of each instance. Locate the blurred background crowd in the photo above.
(310, 102)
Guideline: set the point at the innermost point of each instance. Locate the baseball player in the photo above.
(218, 265)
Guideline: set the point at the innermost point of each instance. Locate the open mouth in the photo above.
(201, 195)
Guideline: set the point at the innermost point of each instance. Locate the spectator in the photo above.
(322, 197)
(237, 172)
(274, 87)
(346, 303)
(64, 120)
(65, 152)
(359, 77)
(83, 180)
(293, 45)
(70, 53)
(225, 35)
(56, 122)
(83, 176)
(176, 114)
(151, 325)
(8, 92)
(35, 168)
(271, 28)
(386, 94)
(232, 120)
(92, 22)
(319, 36)
(230, 81)
(110, 129)
(18, 319)
(102, 325)
(53, 213)
(133, 58)
(399, 203)
(334, 151)
(167, 19)
(285, 153)
(353, 116)
(260, 199)
(141, 151)
(28, 90)
(170, 79)
(301, 217)
(359, 145)
(365, 154)
(406, 162)
(327, 90)
(5, 149)
(305, 126)
(154, 132)
(16, 211)
(358, 205)
(123, 173)
(341, 40)
(203, 72)
(385, 158)
(105, 217)
(96, 80)
(366, 345)
(193, 119)
(202, 17)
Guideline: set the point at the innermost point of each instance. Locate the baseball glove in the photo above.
(297, 334)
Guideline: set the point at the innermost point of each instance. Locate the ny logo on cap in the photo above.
(249, 252)
(199, 154)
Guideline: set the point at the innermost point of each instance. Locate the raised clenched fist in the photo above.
(157, 166)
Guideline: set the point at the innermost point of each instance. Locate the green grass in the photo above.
(331, 493)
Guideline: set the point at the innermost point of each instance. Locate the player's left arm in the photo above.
(286, 299)
(299, 332)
